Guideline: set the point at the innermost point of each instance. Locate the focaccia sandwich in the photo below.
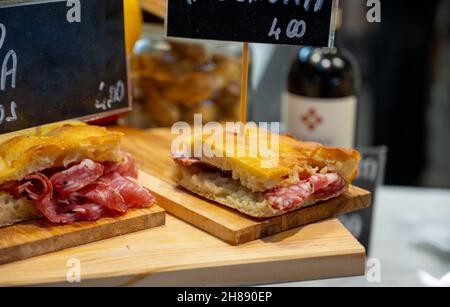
(66, 173)
(304, 173)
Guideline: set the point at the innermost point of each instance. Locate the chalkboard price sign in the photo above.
(290, 22)
(61, 60)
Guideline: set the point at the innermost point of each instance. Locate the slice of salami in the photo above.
(288, 198)
(102, 194)
(86, 212)
(321, 181)
(331, 189)
(76, 212)
(134, 194)
(86, 191)
(293, 196)
(76, 177)
(127, 168)
(37, 186)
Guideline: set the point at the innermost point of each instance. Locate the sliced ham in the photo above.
(86, 191)
(293, 196)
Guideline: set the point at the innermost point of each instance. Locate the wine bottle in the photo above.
(320, 102)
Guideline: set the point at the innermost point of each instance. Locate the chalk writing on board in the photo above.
(7, 79)
(294, 28)
(109, 95)
(11, 112)
(53, 57)
(292, 22)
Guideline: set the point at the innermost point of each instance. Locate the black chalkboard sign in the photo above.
(295, 22)
(61, 60)
(370, 177)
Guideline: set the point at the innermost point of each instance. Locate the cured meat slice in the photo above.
(127, 168)
(76, 177)
(86, 191)
(293, 196)
(331, 189)
(101, 194)
(287, 198)
(183, 160)
(69, 214)
(134, 194)
(37, 187)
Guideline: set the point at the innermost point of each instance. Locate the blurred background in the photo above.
(403, 100)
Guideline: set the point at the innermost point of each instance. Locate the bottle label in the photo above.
(330, 121)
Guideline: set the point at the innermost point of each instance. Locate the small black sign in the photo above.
(61, 60)
(295, 22)
(370, 177)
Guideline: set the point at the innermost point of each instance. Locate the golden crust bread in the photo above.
(56, 145)
(293, 158)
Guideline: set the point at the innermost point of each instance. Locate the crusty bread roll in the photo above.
(55, 145)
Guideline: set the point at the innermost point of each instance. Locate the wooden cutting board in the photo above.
(152, 148)
(38, 237)
(178, 254)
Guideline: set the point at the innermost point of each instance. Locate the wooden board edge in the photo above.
(322, 211)
(219, 231)
(252, 275)
(246, 235)
(158, 276)
(102, 232)
(245, 274)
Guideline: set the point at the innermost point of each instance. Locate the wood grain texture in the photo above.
(38, 237)
(152, 148)
(178, 254)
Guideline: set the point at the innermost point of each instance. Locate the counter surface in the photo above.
(411, 239)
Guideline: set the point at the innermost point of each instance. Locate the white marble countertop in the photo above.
(406, 222)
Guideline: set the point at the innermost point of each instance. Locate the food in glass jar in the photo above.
(182, 79)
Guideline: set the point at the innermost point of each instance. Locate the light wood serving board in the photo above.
(38, 237)
(178, 254)
(152, 150)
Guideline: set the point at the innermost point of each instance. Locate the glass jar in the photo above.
(173, 79)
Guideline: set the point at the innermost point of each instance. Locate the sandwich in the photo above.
(66, 173)
(301, 175)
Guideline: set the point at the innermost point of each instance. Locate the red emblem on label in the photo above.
(311, 119)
